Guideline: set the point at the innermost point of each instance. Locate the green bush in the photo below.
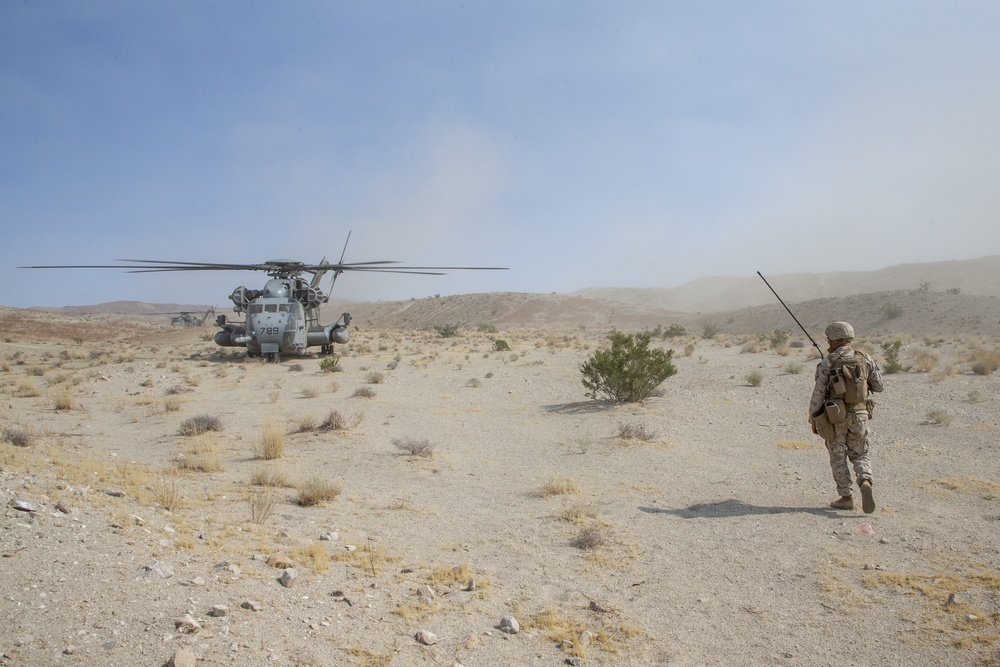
(892, 363)
(329, 363)
(446, 330)
(628, 371)
(674, 331)
(500, 345)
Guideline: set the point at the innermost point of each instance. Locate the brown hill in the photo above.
(706, 295)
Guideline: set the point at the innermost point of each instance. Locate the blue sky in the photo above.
(582, 144)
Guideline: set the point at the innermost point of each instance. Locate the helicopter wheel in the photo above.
(326, 349)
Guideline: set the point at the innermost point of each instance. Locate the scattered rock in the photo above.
(586, 637)
(157, 569)
(426, 592)
(952, 600)
(23, 506)
(426, 637)
(287, 577)
(332, 536)
(184, 657)
(65, 507)
(219, 610)
(251, 605)
(598, 607)
(280, 561)
(69, 650)
(187, 625)
(576, 661)
(114, 492)
(509, 625)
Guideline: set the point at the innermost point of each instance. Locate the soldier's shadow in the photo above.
(733, 507)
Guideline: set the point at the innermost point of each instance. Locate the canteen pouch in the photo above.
(835, 410)
(824, 428)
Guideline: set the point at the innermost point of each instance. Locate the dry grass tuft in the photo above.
(260, 503)
(413, 447)
(202, 455)
(315, 554)
(200, 424)
(17, 437)
(316, 490)
(266, 476)
(798, 444)
(633, 431)
(989, 490)
(272, 442)
(560, 486)
(590, 537)
(335, 421)
(364, 392)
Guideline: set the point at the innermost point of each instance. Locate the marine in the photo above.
(839, 411)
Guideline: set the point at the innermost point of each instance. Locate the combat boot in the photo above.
(843, 503)
(867, 499)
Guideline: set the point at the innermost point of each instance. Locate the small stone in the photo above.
(279, 561)
(575, 661)
(586, 637)
(251, 605)
(426, 592)
(23, 506)
(69, 650)
(157, 569)
(287, 577)
(509, 625)
(598, 607)
(184, 657)
(187, 625)
(219, 610)
(64, 507)
(883, 540)
(971, 617)
(114, 492)
(332, 536)
(426, 637)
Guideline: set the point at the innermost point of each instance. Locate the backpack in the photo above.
(848, 378)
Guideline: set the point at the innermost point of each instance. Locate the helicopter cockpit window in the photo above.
(284, 307)
(271, 307)
(256, 308)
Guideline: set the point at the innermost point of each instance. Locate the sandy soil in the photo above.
(707, 541)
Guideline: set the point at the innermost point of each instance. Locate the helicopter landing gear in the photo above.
(272, 357)
(326, 349)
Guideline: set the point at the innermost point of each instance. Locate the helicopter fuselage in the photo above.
(281, 319)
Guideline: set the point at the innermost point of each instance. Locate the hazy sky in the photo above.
(580, 143)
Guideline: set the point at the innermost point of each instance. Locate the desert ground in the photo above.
(165, 500)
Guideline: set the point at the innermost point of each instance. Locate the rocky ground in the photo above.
(432, 489)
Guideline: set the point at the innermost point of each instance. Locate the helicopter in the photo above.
(283, 317)
(187, 318)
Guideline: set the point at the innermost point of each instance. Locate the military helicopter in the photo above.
(283, 317)
(187, 318)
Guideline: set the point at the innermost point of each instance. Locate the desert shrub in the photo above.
(446, 330)
(316, 490)
(710, 330)
(364, 392)
(985, 362)
(793, 368)
(375, 377)
(674, 331)
(925, 361)
(335, 421)
(413, 447)
(778, 338)
(590, 537)
(635, 431)
(688, 349)
(310, 392)
(260, 502)
(500, 345)
(330, 364)
(202, 455)
(939, 416)
(754, 378)
(65, 400)
(296, 367)
(486, 328)
(892, 363)
(200, 424)
(17, 437)
(265, 476)
(28, 389)
(629, 371)
(891, 311)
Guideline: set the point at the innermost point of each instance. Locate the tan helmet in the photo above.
(840, 331)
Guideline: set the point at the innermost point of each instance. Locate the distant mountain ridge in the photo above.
(979, 277)
(125, 308)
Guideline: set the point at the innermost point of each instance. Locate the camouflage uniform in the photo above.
(851, 443)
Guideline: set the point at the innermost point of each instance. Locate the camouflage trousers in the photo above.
(851, 444)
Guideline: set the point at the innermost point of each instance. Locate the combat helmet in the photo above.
(840, 331)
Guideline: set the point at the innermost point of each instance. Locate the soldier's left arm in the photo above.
(874, 375)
